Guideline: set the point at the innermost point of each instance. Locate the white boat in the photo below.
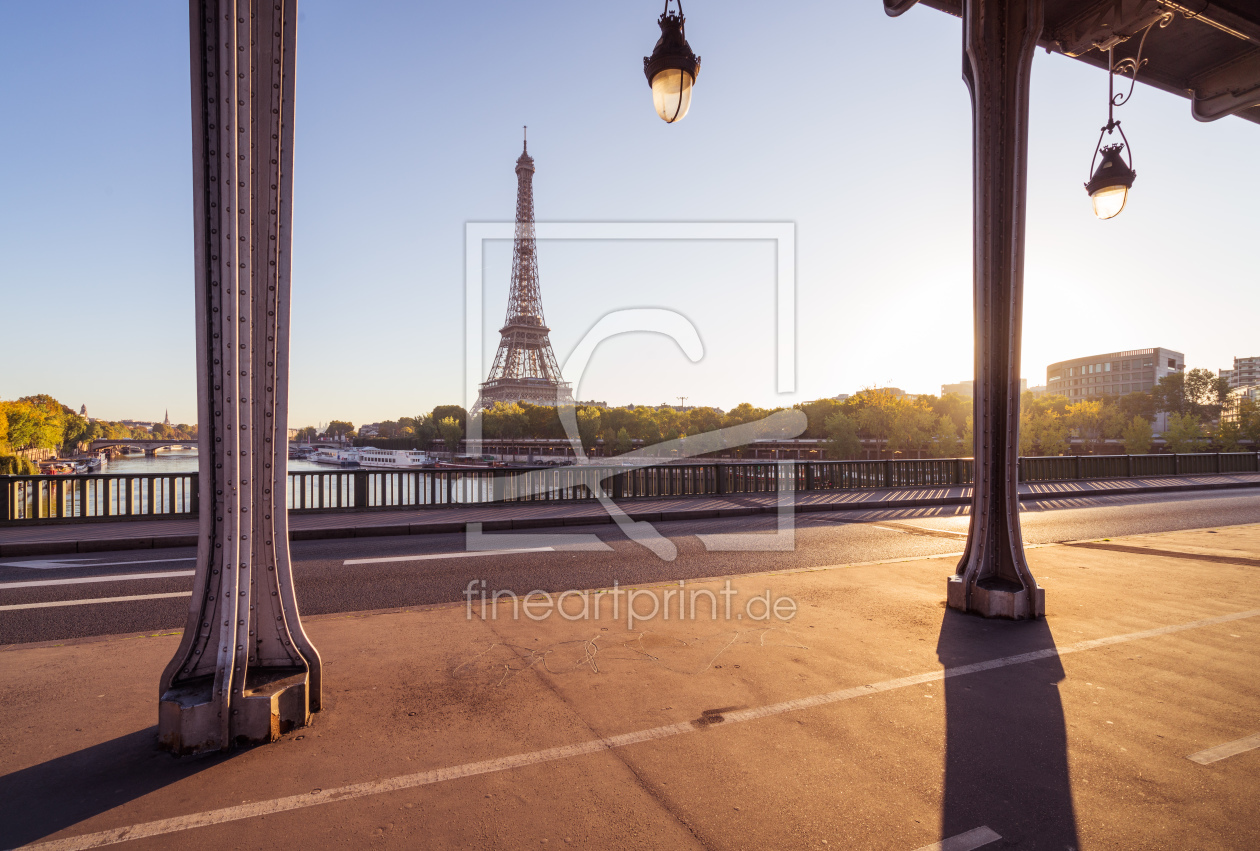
(394, 459)
(347, 457)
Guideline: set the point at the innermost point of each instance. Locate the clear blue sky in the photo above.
(852, 125)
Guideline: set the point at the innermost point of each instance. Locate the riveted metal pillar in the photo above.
(245, 670)
(999, 38)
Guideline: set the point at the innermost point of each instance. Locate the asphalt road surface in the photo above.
(383, 573)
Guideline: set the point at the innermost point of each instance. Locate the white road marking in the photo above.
(430, 556)
(506, 763)
(56, 603)
(52, 564)
(964, 841)
(959, 535)
(1228, 749)
(82, 580)
(891, 529)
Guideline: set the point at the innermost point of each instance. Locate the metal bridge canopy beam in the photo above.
(244, 670)
(999, 39)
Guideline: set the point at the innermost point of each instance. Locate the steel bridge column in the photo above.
(245, 670)
(999, 39)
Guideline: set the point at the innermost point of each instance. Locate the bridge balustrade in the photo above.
(127, 496)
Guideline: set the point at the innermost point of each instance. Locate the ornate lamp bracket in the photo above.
(1130, 65)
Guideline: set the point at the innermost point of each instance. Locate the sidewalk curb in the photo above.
(95, 545)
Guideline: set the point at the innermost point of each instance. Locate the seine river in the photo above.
(179, 461)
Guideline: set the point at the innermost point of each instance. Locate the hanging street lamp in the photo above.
(1109, 186)
(672, 68)
(1110, 182)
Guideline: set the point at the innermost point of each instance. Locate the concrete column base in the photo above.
(273, 702)
(996, 599)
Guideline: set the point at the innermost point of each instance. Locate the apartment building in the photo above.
(1246, 372)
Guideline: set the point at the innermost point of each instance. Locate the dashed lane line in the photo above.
(429, 556)
(1226, 750)
(965, 841)
(85, 580)
(56, 603)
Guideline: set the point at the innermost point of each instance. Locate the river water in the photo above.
(179, 461)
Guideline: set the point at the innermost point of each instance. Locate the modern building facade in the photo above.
(1246, 372)
(1114, 373)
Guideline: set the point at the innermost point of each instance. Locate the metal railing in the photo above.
(45, 499)
(97, 497)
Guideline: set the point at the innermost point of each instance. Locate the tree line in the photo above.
(922, 426)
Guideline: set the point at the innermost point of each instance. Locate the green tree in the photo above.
(1185, 433)
(588, 427)
(946, 442)
(703, 420)
(1249, 422)
(877, 412)
(913, 428)
(442, 412)
(1197, 392)
(339, 429)
(1137, 404)
(1227, 436)
(842, 437)
(306, 434)
(956, 407)
(816, 414)
(1137, 436)
(424, 429)
(624, 442)
(451, 433)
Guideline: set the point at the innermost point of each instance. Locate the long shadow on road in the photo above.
(45, 798)
(1006, 762)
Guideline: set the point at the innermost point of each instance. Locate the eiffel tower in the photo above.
(525, 368)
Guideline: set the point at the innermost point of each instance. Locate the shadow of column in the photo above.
(1006, 762)
(40, 800)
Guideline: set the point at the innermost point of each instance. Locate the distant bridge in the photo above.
(150, 447)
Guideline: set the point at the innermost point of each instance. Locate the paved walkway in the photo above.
(143, 534)
(872, 719)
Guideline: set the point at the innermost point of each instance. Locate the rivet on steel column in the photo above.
(232, 681)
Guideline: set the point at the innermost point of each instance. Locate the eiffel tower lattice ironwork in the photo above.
(525, 368)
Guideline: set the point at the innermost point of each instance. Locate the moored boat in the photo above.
(347, 457)
(394, 459)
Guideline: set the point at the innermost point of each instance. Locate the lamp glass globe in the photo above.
(671, 94)
(1109, 201)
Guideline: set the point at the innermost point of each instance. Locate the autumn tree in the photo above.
(451, 433)
(1086, 418)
